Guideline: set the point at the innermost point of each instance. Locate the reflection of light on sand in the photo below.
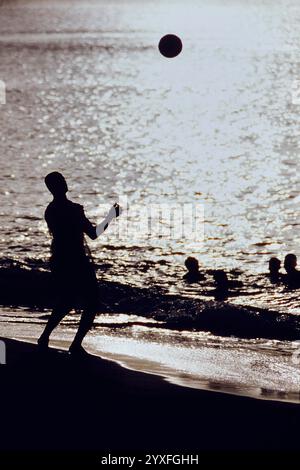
(259, 368)
(232, 369)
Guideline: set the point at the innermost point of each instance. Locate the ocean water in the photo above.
(88, 94)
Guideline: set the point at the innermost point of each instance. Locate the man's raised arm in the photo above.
(114, 212)
(94, 232)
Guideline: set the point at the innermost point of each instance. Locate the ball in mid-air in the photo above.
(170, 46)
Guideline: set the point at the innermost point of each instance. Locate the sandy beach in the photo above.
(56, 403)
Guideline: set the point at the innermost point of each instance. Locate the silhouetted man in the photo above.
(223, 285)
(193, 274)
(293, 275)
(274, 267)
(74, 276)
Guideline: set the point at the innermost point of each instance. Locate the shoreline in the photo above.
(169, 360)
(56, 402)
(174, 377)
(191, 382)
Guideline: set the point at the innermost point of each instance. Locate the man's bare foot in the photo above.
(43, 343)
(77, 350)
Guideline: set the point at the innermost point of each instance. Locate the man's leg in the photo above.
(55, 318)
(86, 323)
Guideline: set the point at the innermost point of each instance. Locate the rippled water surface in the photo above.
(88, 94)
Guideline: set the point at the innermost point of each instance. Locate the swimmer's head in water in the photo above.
(220, 277)
(56, 183)
(290, 262)
(191, 264)
(274, 265)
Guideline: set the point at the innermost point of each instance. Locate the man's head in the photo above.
(56, 183)
(191, 264)
(290, 262)
(274, 265)
(220, 278)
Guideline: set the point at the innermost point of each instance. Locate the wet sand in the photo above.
(56, 403)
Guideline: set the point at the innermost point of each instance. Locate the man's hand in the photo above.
(114, 211)
(117, 209)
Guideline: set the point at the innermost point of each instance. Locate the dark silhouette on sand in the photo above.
(193, 274)
(73, 272)
(292, 278)
(274, 268)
